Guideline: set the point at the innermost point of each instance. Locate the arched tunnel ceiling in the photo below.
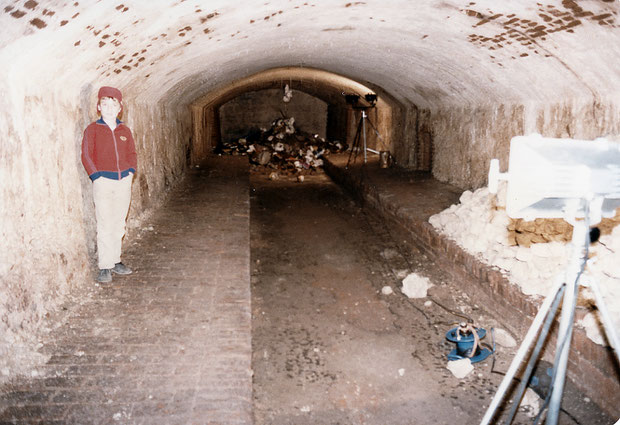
(431, 53)
(328, 87)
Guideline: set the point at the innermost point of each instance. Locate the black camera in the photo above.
(352, 99)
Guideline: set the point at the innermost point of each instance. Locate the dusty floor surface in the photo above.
(330, 348)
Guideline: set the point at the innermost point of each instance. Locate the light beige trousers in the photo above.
(112, 199)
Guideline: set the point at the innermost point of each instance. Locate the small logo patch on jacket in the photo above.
(123, 138)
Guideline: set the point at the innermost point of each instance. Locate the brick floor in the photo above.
(170, 343)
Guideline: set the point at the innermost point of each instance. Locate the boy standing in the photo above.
(109, 157)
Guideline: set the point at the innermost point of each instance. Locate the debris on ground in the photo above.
(401, 274)
(460, 368)
(387, 290)
(591, 323)
(530, 403)
(416, 286)
(503, 338)
(389, 253)
(284, 148)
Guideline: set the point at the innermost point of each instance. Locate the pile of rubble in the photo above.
(283, 148)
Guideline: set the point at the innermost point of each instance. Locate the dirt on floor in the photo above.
(329, 347)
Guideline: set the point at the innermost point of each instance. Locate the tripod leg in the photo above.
(364, 133)
(360, 125)
(565, 334)
(565, 330)
(521, 353)
(356, 143)
(525, 379)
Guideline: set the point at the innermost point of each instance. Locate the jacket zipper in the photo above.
(118, 165)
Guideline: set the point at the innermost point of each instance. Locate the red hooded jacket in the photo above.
(107, 153)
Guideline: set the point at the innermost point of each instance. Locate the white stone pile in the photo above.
(479, 225)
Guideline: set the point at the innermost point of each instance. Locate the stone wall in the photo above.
(259, 108)
(42, 231)
(466, 139)
(47, 224)
(413, 147)
(162, 139)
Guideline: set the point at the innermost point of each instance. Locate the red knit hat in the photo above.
(110, 92)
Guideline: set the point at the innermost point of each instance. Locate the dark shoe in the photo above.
(120, 268)
(105, 276)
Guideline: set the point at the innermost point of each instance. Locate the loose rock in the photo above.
(460, 368)
(593, 327)
(415, 286)
(531, 402)
(504, 339)
(387, 290)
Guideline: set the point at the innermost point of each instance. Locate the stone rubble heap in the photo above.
(481, 226)
(282, 147)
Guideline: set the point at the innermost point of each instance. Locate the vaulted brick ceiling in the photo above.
(430, 53)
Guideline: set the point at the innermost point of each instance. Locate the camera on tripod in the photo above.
(359, 141)
(353, 100)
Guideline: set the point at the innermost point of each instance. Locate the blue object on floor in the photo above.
(464, 345)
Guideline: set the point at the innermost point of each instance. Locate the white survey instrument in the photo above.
(552, 178)
(579, 181)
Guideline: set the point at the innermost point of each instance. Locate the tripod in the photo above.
(360, 137)
(567, 288)
(360, 133)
